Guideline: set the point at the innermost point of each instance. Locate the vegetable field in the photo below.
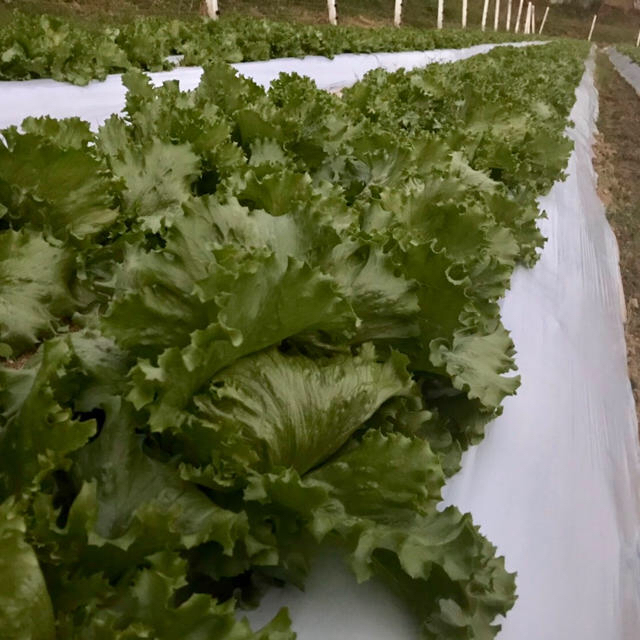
(50, 47)
(238, 326)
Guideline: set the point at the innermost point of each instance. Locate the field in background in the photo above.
(614, 25)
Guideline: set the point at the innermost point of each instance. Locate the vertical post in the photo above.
(440, 13)
(593, 24)
(638, 40)
(519, 16)
(509, 15)
(212, 9)
(397, 13)
(464, 14)
(485, 10)
(527, 26)
(333, 11)
(532, 26)
(544, 19)
(496, 15)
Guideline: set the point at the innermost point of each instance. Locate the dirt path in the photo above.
(617, 162)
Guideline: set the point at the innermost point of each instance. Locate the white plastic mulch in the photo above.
(627, 69)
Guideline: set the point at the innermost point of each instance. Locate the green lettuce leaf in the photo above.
(267, 303)
(143, 502)
(25, 607)
(157, 177)
(298, 411)
(146, 607)
(52, 181)
(35, 295)
(37, 431)
(476, 364)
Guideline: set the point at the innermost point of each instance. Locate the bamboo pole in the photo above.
(496, 15)
(544, 19)
(333, 11)
(440, 13)
(485, 10)
(464, 14)
(509, 15)
(397, 13)
(519, 16)
(593, 24)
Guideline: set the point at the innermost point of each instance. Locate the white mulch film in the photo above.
(556, 482)
(627, 69)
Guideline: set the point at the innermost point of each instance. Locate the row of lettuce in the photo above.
(239, 325)
(50, 47)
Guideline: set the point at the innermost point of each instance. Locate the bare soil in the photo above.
(18, 363)
(617, 161)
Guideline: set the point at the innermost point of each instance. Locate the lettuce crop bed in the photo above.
(48, 47)
(238, 325)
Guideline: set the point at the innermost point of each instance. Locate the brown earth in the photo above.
(18, 363)
(617, 161)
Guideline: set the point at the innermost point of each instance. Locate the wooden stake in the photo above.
(212, 9)
(593, 24)
(464, 14)
(509, 15)
(638, 40)
(519, 16)
(333, 11)
(496, 15)
(397, 13)
(440, 13)
(485, 10)
(544, 19)
(532, 26)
